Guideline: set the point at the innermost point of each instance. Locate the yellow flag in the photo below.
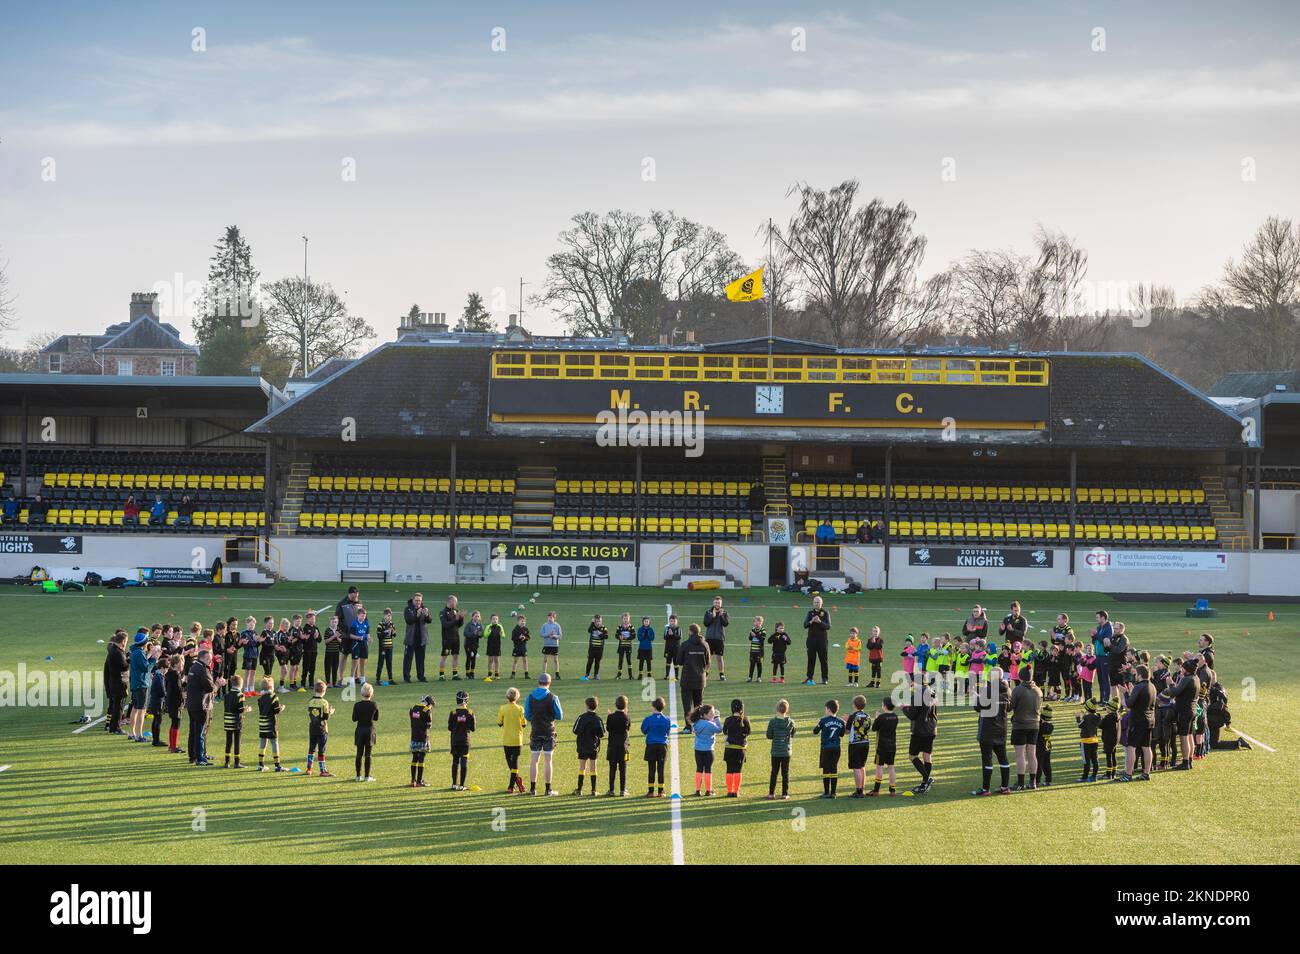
(749, 288)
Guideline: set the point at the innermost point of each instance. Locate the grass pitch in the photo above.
(92, 798)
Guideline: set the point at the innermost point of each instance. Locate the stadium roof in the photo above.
(1255, 384)
(87, 393)
(424, 387)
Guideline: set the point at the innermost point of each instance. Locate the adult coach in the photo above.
(199, 687)
(1101, 637)
(417, 618)
(991, 703)
(1026, 708)
(116, 666)
(542, 710)
(693, 660)
(1141, 705)
(451, 619)
(818, 625)
(346, 610)
(716, 622)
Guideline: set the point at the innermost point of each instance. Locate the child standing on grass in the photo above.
(248, 643)
(589, 730)
(705, 725)
(780, 729)
(1089, 722)
(460, 723)
(672, 643)
(597, 634)
(551, 633)
(780, 643)
(1044, 744)
(234, 708)
(365, 713)
(282, 636)
(885, 725)
(735, 734)
(157, 696)
(266, 646)
(318, 728)
(360, 646)
(269, 708)
(1110, 735)
(333, 652)
(656, 727)
(173, 683)
(859, 733)
(875, 656)
(473, 633)
(310, 639)
(618, 727)
(421, 721)
(831, 729)
(511, 719)
(853, 656)
(645, 649)
(757, 646)
(624, 635)
(494, 634)
(909, 659)
(385, 634)
(519, 637)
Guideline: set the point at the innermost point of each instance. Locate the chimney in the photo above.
(440, 322)
(144, 303)
(663, 340)
(690, 337)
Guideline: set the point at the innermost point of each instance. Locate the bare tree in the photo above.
(314, 312)
(857, 264)
(623, 271)
(8, 312)
(987, 296)
(1265, 281)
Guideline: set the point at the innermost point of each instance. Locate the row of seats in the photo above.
(907, 530)
(144, 482)
(1002, 492)
(678, 488)
(77, 517)
(600, 525)
(418, 522)
(392, 484)
(47, 457)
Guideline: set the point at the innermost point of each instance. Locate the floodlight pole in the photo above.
(306, 308)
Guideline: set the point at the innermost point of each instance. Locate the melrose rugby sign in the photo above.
(594, 551)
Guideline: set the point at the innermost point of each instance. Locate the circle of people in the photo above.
(1164, 714)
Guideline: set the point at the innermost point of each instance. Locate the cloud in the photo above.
(292, 89)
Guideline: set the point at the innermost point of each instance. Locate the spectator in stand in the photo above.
(864, 532)
(131, 512)
(11, 509)
(37, 510)
(825, 531)
(158, 513)
(184, 512)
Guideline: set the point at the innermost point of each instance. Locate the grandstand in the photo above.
(442, 439)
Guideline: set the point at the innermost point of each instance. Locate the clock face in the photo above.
(769, 399)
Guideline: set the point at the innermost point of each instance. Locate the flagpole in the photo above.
(767, 290)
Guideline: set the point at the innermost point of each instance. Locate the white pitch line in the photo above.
(3, 767)
(83, 728)
(675, 799)
(1266, 748)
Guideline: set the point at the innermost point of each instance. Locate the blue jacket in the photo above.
(705, 731)
(645, 637)
(1104, 631)
(11, 508)
(157, 690)
(539, 694)
(159, 509)
(141, 667)
(655, 727)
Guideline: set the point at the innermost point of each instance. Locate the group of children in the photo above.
(1062, 669)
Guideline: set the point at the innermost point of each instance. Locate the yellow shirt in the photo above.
(852, 650)
(511, 719)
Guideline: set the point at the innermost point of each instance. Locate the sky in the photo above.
(429, 150)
